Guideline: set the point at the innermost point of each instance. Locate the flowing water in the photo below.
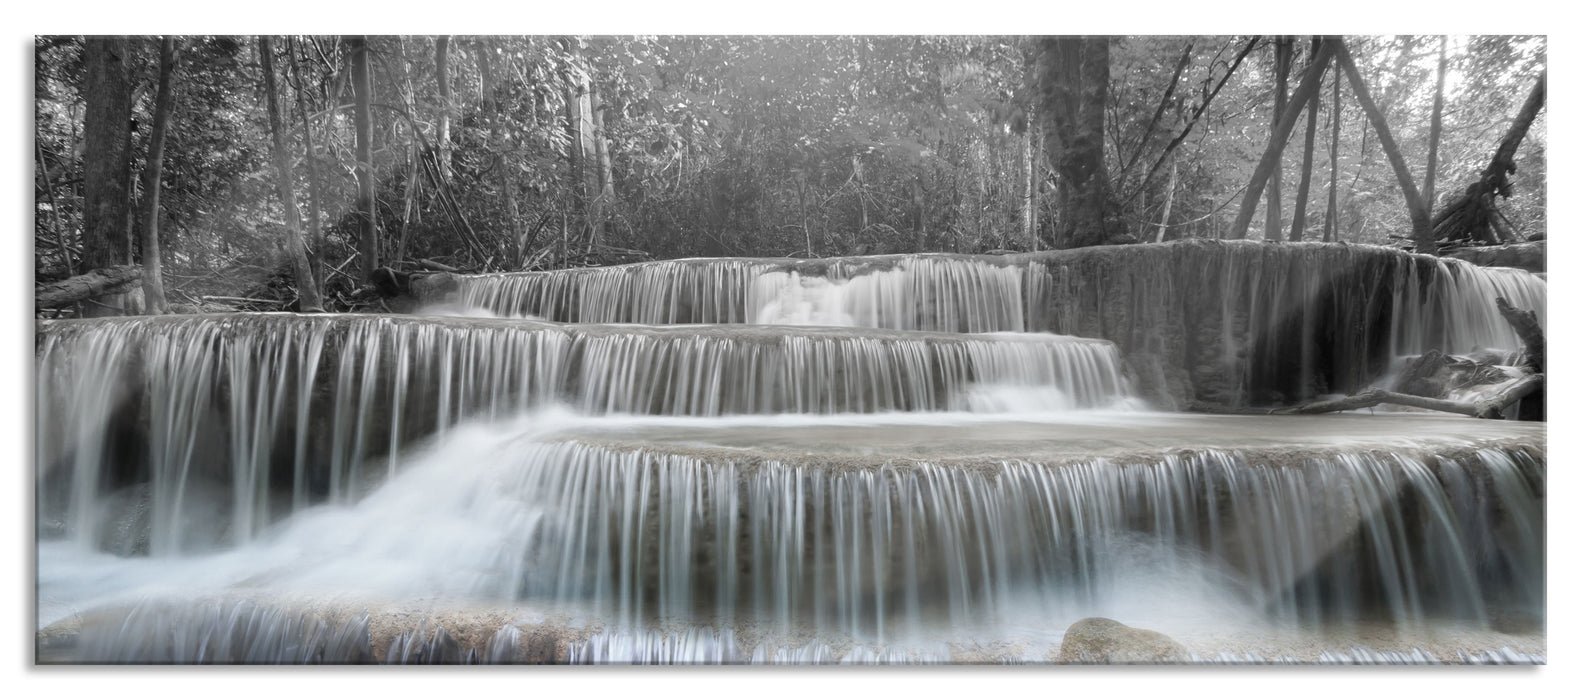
(925, 474)
(1227, 323)
(279, 412)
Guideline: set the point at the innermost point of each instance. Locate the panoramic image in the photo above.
(789, 350)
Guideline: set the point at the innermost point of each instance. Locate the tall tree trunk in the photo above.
(307, 291)
(416, 155)
(315, 226)
(1332, 211)
(1364, 158)
(442, 77)
(1073, 86)
(153, 278)
(1030, 172)
(1170, 198)
(1435, 128)
(862, 198)
(1282, 74)
(574, 160)
(107, 174)
(600, 143)
(362, 87)
(484, 48)
(1304, 186)
(579, 128)
(1311, 79)
(797, 176)
(601, 150)
(1422, 229)
(1032, 151)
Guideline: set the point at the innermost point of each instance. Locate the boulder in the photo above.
(1099, 640)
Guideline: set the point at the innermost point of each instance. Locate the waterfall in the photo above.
(1231, 323)
(241, 401)
(921, 292)
(889, 459)
(871, 553)
(876, 553)
(671, 291)
(917, 293)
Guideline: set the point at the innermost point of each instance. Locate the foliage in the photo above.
(739, 145)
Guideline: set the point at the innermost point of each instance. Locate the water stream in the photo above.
(920, 472)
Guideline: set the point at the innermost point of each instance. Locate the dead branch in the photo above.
(245, 300)
(1474, 216)
(1492, 407)
(435, 265)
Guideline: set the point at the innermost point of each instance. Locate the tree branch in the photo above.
(1311, 79)
(1492, 407)
(1164, 101)
(1196, 114)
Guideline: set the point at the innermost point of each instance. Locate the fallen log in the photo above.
(1533, 361)
(1492, 407)
(94, 283)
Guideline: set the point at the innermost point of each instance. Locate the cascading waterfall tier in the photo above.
(809, 527)
(893, 459)
(1227, 323)
(882, 539)
(263, 414)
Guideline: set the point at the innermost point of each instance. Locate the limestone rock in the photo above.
(1529, 256)
(1099, 640)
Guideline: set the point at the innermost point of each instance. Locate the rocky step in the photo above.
(243, 628)
(316, 407)
(1343, 515)
(872, 525)
(1229, 323)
